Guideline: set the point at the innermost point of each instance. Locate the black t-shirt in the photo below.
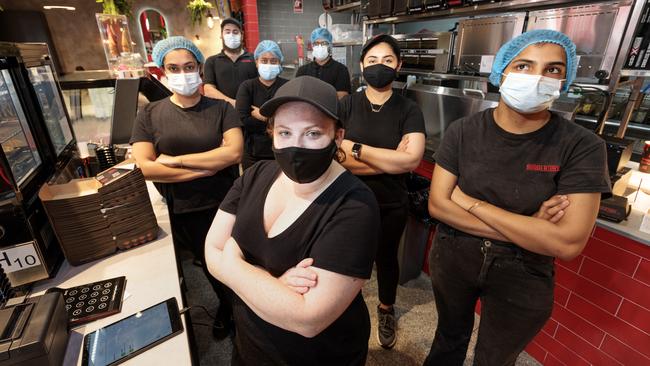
(177, 131)
(253, 93)
(226, 75)
(384, 129)
(333, 73)
(340, 231)
(519, 172)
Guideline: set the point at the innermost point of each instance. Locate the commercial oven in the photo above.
(596, 29)
(426, 51)
(479, 40)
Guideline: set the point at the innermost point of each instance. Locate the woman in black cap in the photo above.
(384, 140)
(295, 240)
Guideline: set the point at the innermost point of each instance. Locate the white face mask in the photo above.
(320, 52)
(529, 93)
(269, 72)
(232, 41)
(184, 83)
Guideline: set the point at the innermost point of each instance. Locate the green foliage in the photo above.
(117, 7)
(196, 9)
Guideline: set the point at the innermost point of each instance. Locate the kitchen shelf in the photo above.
(481, 9)
(347, 43)
(351, 6)
(637, 73)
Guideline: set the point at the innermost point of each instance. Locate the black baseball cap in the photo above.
(392, 42)
(304, 89)
(232, 21)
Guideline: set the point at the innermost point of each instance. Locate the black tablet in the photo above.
(124, 339)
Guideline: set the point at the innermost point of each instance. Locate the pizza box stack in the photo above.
(94, 217)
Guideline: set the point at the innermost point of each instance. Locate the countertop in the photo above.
(151, 277)
(640, 205)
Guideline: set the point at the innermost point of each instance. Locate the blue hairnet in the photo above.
(268, 46)
(320, 33)
(510, 50)
(162, 48)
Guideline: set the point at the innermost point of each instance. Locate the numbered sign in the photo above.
(19, 257)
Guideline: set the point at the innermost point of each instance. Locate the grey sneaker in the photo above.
(386, 327)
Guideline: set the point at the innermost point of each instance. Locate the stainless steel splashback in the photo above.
(596, 47)
(480, 38)
(441, 106)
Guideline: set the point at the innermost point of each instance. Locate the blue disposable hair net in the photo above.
(162, 48)
(320, 33)
(268, 46)
(510, 50)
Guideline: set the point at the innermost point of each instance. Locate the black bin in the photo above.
(412, 250)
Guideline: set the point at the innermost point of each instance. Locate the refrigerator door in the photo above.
(15, 136)
(56, 120)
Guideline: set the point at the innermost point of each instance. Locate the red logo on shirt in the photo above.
(542, 168)
(246, 60)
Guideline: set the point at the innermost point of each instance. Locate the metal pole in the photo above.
(632, 103)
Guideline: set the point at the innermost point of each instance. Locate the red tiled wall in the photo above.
(251, 24)
(602, 304)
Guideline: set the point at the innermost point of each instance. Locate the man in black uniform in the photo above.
(225, 71)
(324, 67)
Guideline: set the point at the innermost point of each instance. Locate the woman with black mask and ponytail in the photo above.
(384, 140)
(295, 240)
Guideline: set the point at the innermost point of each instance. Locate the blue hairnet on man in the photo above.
(163, 47)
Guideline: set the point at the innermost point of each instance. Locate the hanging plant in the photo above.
(117, 7)
(197, 8)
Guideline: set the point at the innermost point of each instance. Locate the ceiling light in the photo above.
(50, 7)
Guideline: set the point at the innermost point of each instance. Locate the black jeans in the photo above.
(516, 291)
(188, 232)
(393, 221)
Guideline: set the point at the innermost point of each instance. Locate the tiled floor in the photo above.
(415, 309)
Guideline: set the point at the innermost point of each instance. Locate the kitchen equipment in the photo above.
(400, 7)
(479, 40)
(597, 48)
(426, 51)
(34, 333)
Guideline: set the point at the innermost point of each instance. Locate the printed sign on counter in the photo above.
(19, 257)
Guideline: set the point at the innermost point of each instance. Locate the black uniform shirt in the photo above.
(226, 75)
(517, 172)
(177, 131)
(333, 73)
(339, 230)
(398, 116)
(253, 93)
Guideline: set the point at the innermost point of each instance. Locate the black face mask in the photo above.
(379, 76)
(305, 165)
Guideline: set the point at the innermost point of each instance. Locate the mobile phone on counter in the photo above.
(129, 337)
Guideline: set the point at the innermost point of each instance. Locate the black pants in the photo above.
(516, 291)
(393, 221)
(247, 160)
(188, 232)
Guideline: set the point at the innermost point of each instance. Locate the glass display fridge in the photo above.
(37, 141)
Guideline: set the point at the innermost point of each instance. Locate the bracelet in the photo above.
(475, 205)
